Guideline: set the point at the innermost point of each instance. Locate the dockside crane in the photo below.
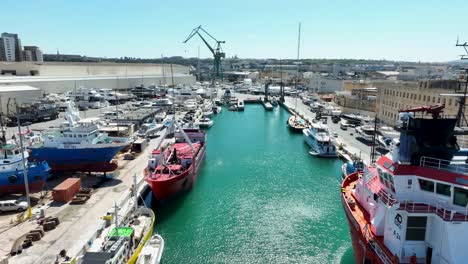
(216, 51)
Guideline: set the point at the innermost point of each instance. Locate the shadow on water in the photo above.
(348, 256)
(164, 210)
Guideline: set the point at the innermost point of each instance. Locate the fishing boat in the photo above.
(296, 123)
(127, 229)
(77, 145)
(319, 140)
(205, 122)
(12, 171)
(152, 251)
(175, 170)
(410, 206)
(36, 111)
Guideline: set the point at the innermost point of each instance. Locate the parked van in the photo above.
(12, 205)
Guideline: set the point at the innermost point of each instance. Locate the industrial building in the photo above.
(322, 83)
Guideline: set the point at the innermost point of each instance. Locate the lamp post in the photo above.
(23, 162)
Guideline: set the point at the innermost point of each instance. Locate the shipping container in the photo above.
(65, 191)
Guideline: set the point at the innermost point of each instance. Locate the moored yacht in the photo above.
(205, 122)
(319, 140)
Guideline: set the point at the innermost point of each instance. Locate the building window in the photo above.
(443, 101)
(425, 185)
(443, 189)
(419, 97)
(450, 101)
(433, 99)
(416, 228)
(460, 196)
(438, 100)
(424, 98)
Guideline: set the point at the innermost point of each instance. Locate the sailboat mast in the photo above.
(297, 63)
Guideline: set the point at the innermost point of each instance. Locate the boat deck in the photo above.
(362, 218)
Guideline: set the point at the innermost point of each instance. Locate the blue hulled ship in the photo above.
(12, 171)
(78, 146)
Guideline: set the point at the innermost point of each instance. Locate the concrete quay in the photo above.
(78, 223)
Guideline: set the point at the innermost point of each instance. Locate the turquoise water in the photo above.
(260, 198)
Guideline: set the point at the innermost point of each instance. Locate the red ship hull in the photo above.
(165, 189)
(85, 167)
(20, 188)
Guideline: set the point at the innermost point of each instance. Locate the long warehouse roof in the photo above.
(17, 88)
(22, 79)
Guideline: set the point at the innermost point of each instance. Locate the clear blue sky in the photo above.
(414, 30)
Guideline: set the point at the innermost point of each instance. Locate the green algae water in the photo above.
(259, 198)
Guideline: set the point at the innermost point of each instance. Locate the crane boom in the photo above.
(216, 51)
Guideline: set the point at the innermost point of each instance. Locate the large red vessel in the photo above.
(411, 205)
(174, 170)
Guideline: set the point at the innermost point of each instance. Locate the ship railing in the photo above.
(435, 208)
(428, 162)
(374, 244)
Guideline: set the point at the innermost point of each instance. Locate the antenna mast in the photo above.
(462, 81)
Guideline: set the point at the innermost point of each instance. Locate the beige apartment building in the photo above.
(393, 96)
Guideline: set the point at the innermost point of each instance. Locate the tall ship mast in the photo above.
(411, 205)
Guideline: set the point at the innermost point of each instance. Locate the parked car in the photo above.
(12, 205)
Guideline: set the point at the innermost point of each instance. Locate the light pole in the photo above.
(25, 169)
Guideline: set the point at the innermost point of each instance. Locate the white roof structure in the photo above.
(17, 88)
(389, 73)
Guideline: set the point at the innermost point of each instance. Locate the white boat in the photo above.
(163, 102)
(208, 112)
(366, 132)
(217, 109)
(87, 98)
(149, 129)
(205, 122)
(319, 140)
(190, 105)
(152, 251)
(240, 105)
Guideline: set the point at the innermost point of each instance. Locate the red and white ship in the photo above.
(411, 205)
(175, 170)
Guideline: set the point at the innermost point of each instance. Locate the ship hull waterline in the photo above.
(72, 160)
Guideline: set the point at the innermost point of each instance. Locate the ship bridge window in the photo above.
(460, 197)
(416, 228)
(427, 186)
(443, 189)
